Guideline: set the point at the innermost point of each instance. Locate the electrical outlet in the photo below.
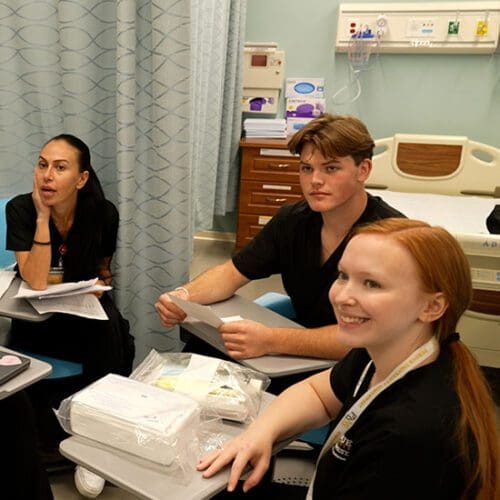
(420, 27)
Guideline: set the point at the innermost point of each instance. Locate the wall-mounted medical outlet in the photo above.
(482, 28)
(453, 27)
(429, 27)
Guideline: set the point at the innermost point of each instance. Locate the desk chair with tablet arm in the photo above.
(60, 367)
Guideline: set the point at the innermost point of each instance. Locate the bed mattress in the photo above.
(457, 214)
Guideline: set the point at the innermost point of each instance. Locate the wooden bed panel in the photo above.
(486, 302)
(428, 160)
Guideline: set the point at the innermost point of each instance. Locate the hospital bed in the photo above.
(452, 182)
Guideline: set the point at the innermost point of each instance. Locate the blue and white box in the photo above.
(295, 124)
(305, 87)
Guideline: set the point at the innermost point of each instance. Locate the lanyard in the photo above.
(348, 420)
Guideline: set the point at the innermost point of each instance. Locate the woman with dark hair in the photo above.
(412, 415)
(66, 230)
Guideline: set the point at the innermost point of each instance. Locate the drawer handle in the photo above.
(276, 200)
(279, 165)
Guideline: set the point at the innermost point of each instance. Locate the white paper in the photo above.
(79, 291)
(230, 319)
(6, 278)
(198, 311)
(86, 306)
(61, 290)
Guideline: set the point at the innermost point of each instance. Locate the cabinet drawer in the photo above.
(276, 169)
(265, 197)
(248, 227)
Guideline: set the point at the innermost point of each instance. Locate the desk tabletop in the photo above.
(275, 365)
(18, 308)
(143, 479)
(36, 371)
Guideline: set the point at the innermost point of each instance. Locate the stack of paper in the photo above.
(75, 298)
(265, 127)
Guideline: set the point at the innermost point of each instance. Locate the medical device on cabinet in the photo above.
(263, 73)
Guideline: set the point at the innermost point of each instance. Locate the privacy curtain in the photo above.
(216, 61)
(118, 74)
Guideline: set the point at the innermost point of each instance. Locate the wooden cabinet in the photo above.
(269, 179)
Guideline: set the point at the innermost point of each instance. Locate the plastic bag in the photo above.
(223, 389)
(137, 418)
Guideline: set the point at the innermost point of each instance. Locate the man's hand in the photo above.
(171, 314)
(246, 339)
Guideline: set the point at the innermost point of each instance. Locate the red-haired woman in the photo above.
(413, 416)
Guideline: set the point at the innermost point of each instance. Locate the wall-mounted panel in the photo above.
(425, 27)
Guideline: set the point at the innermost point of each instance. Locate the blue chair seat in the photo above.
(277, 302)
(60, 367)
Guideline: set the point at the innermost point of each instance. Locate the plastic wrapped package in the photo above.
(137, 418)
(223, 389)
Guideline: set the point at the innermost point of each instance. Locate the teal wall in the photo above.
(433, 94)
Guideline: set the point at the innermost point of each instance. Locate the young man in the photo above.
(303, 242)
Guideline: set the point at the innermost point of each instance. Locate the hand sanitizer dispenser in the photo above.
(263, 75)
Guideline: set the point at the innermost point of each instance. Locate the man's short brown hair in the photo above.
(335, 136)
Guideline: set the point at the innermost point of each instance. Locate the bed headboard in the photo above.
(435, 164)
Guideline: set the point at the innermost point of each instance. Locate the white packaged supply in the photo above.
(134, 417)
(223, 389)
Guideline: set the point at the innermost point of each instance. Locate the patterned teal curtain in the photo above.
(117, 74)
(216, 59)
(152, 154)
